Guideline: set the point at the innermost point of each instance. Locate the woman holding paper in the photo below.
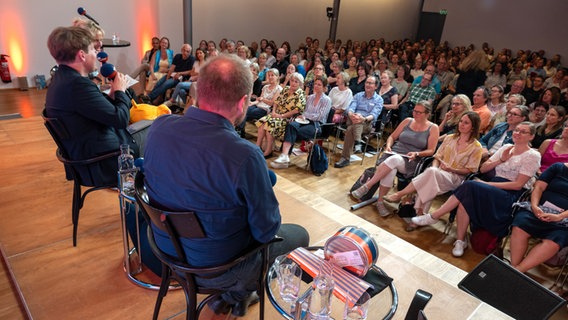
(545, 217)
(458, 155)
(414, 138)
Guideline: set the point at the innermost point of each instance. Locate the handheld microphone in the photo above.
(102, 57)
(108, 71)
(83, 12)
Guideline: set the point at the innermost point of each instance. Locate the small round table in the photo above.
(384, 303)
(108, 43)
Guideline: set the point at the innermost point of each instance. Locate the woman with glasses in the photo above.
(502, 133)
(413, 139)
(487, 204)
(460, 105)
(317, 72)
(496, 102)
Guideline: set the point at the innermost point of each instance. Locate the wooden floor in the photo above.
(33, 212)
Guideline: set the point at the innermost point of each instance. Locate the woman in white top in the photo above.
(341, 97)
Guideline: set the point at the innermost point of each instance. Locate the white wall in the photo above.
(518, 24)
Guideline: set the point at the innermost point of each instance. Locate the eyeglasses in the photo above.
(370, 82)
(318, 68)
(514, 114)
(418, 112)
(521, 131)
(456, 103)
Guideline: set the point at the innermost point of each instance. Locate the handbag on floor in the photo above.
(367, 174)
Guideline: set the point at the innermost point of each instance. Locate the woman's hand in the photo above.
(549, 217)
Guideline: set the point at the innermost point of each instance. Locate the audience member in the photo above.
(536, 89)
(182, 88)
(281, 63)
(472, 74)
(318, 106)
(545, 217)
(400, 82)
(480, 98)
(552, 127)
(357, 84)
(160, 63)
(362, 113)
(289, 103)
(413, 139)
(435, 82)
(460, 105)
(228, 178)
(487, 205)
(341, 97)
(143, 70)
(417, 92)
(554, 150)
(538, 114)
(502, 133)
(555, 80)
(497, 76)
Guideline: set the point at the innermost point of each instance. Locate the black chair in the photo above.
(75, 169)
(186, 225)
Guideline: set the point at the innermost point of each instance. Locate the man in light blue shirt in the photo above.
(362, 113)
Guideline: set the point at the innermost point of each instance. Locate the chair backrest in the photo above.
(58, 132)
(505, 288)
(327, 127)
(176, 224)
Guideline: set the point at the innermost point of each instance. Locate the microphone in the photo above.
(108, 71)
(83, 12)
(102, 57)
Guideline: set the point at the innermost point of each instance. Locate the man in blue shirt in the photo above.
(198, 162)
(363, 111)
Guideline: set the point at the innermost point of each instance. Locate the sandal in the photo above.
(360, 192)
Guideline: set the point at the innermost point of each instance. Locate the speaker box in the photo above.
(498, 284)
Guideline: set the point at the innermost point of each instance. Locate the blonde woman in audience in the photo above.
(458, 155)
(416, 70)
(243, 52)
(459, 105)
(352, 67)
(487, 204)
(554, 150)
(262, 67)
(511, 101)
(340, 97)
(388, 92)
(160, 63)
(289, 103)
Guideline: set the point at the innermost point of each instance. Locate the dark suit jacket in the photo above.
(96, 124)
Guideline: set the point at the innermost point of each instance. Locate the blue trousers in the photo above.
(161, 86)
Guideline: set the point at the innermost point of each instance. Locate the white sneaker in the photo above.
(459, 247)
(168, 103)
(383, 211)
(424, 220)
(281, 162)
(358, 148)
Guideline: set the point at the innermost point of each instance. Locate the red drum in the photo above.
(353, 239)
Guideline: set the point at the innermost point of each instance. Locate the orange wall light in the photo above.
(146, 26)
(14, 41)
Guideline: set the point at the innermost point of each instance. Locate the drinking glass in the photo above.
(289, 280)
(356, 308)
(320, 301)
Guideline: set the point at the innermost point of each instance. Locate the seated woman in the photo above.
(341, 97)
(315, 114)
(545, 217)
(488, 204)
(554, 150)
(317, 71)
(263, 104)
(357, 84)
(412, 139)
(289, 71)
(511, 101)
(290, 102)
(538, 113)
(387, 92)
(503, 132)
(460, 105)
(160, 63)
(552, 126)
(458, 156)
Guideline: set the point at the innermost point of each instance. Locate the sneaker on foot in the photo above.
(341, 163)
(459, 247)
(168, 103)
(360, 192)
(424, 220)
(358, 148)
(383, 211)
(281, 162)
